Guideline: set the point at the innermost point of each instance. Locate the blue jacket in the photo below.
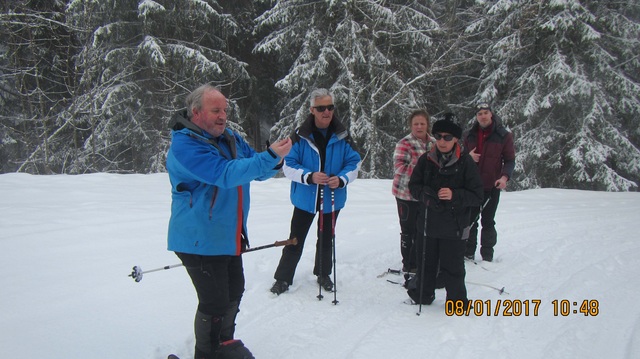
(304, 158)
(210, 189)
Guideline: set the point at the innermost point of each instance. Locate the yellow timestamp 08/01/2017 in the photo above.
(518, 307)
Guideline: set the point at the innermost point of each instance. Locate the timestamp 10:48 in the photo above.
(565, 307)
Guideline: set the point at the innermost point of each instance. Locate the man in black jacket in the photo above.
(447, 183)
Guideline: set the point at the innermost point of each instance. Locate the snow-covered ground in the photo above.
(68, 244)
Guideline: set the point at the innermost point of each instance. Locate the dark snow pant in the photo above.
(408, 216)
(488, 234)
(449, 253)
(219, 284)
(300, 224)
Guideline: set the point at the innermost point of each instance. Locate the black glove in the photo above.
(430, 199)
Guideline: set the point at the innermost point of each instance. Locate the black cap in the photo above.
(448, 127)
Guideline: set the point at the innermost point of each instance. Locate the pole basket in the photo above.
(136, 274)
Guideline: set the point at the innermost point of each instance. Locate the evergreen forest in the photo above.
(90, 85)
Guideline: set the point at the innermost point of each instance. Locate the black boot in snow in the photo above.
(326, 283)
(279, 287)
(233, 349)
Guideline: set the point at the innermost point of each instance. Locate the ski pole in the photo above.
(424, 251)
(480, 211)
(333, 246)
(474, 224)
(292, 241)
(137, 271)
(500, 290)
(320, 237)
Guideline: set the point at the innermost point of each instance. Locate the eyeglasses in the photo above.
(323, 108)
(438, 136)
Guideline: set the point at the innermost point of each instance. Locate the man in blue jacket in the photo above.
(210, 168)
(322, 156)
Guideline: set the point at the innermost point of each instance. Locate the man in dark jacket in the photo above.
(490, 145)
(447, 184)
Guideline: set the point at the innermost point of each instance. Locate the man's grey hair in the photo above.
(317, 93)
(194, 99)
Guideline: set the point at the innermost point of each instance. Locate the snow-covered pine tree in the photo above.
(451, 79)
(564, 76)
(139, 61)
(371, 54)
(36, 83)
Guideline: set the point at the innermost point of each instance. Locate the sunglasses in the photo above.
(483, 106)
(447, 138)
(322, 108)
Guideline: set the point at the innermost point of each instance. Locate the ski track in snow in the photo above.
(69, 242)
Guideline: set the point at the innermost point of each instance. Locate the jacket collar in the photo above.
(308, 126)
(180, 122)
(435, 156)
(496, 126)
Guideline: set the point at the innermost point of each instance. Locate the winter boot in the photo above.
(279, 287)
(487, 254)
(326, 283)
(427, 299)
(233, 349)
(413, 290)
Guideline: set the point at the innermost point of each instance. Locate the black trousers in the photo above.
(218, 280)
(408, 216)
(300, 223)
(488, 234)
(449, 254)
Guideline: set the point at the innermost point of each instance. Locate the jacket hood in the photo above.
(180, 121)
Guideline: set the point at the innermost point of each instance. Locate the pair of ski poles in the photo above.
(137, 272)
(333, 243)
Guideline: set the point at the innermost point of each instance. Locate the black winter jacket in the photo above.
(446, 219)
